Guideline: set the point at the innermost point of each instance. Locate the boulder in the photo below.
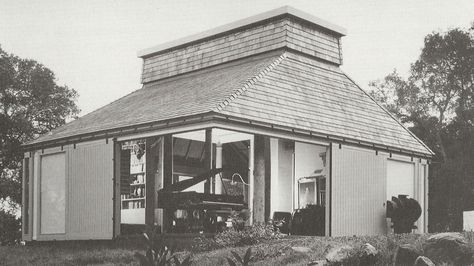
(450, 248)
(317, 263)
(301, 249)
(367, 255)
(423, 261)
(339, 255)
(405, 255)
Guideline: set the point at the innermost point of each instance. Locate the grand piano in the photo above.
(194, 212)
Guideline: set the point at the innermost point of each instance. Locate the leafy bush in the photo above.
(203, 243)
(158, 253)
(10, 233)
(250, 235)
(244, 260)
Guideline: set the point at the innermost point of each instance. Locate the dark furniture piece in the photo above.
(192, 212)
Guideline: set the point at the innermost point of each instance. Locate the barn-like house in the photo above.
(263, 97)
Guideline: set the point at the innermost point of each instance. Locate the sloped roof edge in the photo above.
(213, 112)
(251, 81)
(391, 115)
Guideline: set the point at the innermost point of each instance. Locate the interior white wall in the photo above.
(281, 157)
(218, 135)
(307, 161)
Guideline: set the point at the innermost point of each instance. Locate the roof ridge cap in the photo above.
(234, 95)
(390, 114)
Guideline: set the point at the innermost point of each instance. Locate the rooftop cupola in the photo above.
(281, 28)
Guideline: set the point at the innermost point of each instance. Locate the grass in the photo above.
(37, 255)
(267, 252)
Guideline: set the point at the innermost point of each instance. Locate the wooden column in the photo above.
(208, 158)
(261, 191)
(152, 160)
(167, 175)
(218, 163)
(117, 195)
(268, 178)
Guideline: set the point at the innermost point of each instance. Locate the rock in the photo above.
(423, 261)
(301, 249)
(339, 255)
(405, 255)
(317, 263)
(450, 248)
(367, 255)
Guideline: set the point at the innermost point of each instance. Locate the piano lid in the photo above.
(182, 185)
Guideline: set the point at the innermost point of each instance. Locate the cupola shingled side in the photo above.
(282, 28)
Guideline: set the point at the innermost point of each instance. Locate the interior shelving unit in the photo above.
(133, 192)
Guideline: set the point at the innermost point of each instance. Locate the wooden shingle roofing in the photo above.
(280, 88)
(180, 96)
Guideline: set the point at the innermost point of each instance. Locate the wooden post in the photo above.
(261, 196)
(152, 158)
(217, 180)
(117, 192)
(268, 171)
(208, 158)
(167, 176)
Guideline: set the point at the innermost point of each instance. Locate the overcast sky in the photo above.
(92, 45)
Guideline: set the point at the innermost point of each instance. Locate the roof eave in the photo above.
(215, 117)
(430, 152)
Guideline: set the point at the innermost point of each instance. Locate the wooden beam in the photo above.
(117, 195)
(208, 158)
(261, 196)
(167, 176)
(268, 170)
(151, 162)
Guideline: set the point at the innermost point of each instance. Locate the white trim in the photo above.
(243, 129)
(251, 178)
(270, 133)
(36, 171)
(173, 130)
(60, 235)
(244, 22)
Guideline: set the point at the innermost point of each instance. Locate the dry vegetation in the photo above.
(266, 252)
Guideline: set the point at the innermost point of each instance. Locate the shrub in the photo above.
(10, 233)
(249, 235)
(158, 253)
(243, 260)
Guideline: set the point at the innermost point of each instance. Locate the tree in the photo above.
(31, 104)
(436, 103)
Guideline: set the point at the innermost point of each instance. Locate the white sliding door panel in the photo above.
(53, 194)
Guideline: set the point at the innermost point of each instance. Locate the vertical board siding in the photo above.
(358, 192)
(245, 42)
(90, 191)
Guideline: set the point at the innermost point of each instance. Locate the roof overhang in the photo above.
(213, 119)
(275, 13)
